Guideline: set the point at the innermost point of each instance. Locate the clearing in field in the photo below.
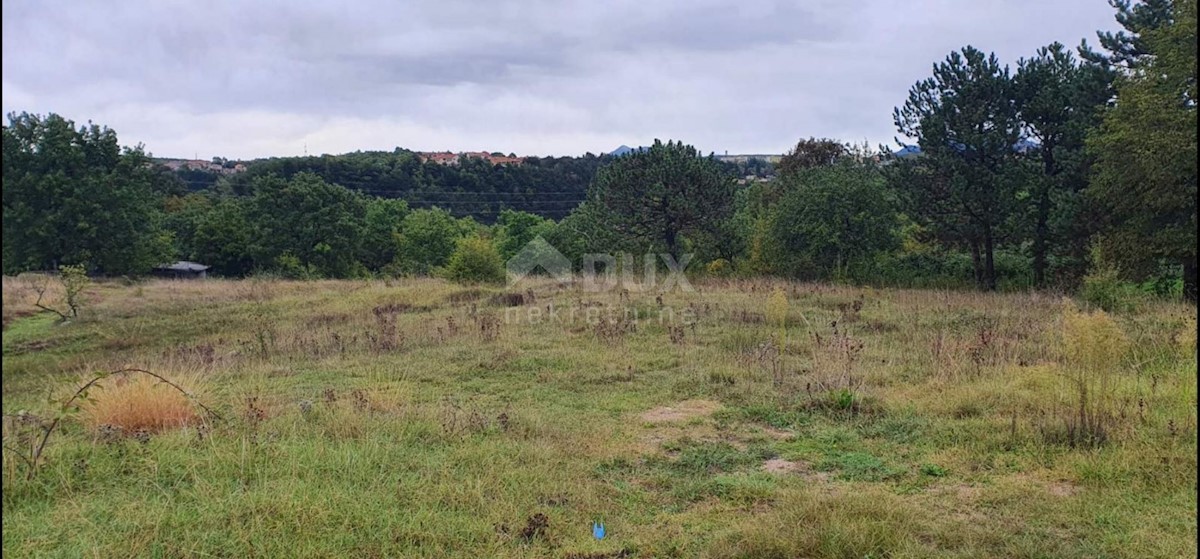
(762, 418)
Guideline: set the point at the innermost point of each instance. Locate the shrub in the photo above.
(916, 266)
(394, 269)
(831, 219)
(475, 260)
(841, 399)
(719, 267)
(289, 266)
(428, 238)
(1105, 289)
(73, 280)
(140, 403)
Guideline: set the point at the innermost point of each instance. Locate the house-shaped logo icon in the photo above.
(538, 254)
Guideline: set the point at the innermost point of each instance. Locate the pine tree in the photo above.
(965, 120)
(1145, 149)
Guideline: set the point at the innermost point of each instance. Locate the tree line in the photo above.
(549, 186)
(1068, 167)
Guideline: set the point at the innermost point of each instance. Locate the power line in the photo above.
(492, 204)
(450, 193)
(459, 193)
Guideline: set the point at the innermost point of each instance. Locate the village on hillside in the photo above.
(451, 158)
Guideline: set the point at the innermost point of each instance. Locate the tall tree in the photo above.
(73, 195)
(1145, 149)
(1125, 48)
(381, 232)
(515, 229)
(811, 153)
(965, 120)
(660, 195)
(320, 224)
(1058, 101)
(831, 220)
(224, 237)
(427, 239)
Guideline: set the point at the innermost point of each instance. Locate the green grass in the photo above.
(923, 443)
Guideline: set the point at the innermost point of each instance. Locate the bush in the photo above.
(1106, 290)
(428, 238)
(1103, 286)
(926, 268)
(72, 280)
(289, 266)
(475, 260)
(831, 220)
(719, 267)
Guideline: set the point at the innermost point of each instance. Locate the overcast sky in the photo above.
(254, 79)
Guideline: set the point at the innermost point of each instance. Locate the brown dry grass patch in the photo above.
(683, 411)
(138, 402)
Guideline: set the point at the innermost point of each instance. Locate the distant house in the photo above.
(181, 270)
(441, 158)
(450, 158)
(503, 160)
(745, 158)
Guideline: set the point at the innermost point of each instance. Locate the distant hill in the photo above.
(624, 149)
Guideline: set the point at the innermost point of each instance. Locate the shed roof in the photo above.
(183, 266)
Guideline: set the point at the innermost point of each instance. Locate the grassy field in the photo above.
(418, 418)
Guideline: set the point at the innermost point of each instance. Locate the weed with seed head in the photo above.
(1093, 347)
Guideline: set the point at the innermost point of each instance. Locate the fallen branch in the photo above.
(41, 293)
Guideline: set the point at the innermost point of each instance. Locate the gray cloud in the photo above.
(256, 79)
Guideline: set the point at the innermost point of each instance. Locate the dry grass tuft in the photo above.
(821, 523)
(134, 403)
(1186, 338)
